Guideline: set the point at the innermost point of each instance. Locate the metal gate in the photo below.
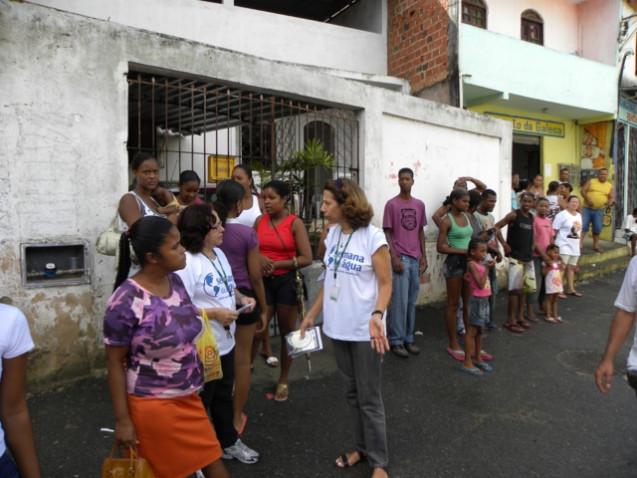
(208, 126)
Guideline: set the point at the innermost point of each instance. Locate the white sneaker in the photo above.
(241, 452)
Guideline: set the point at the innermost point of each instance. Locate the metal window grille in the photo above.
(620, 172)
(207, 126)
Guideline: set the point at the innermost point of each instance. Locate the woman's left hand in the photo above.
(251, 301)
(379, 340)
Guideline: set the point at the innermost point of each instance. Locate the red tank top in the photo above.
(279, 244)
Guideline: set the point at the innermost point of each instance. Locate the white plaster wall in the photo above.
(598, 30)
(438, 156)
(268, 35)
(560, 20)
(63, 158)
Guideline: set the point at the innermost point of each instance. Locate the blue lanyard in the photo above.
(339, 257)
(222, 274)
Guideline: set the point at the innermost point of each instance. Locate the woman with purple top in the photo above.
(154, 371)
(241, 247)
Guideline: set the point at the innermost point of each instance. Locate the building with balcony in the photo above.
(547, 66)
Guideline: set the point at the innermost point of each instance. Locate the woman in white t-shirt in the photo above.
(567, 226)
(354, 297)
(208, 280)
(15, 430)
(250, 205)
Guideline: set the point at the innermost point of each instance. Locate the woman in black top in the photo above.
(519, 248)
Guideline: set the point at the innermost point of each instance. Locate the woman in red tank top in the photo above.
(285, 247)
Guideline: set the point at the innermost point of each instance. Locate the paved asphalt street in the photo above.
(538, 414)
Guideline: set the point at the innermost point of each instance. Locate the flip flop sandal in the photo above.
(562, 296)
(575, 294)
(550, 320)
(282, 392)
(515, 328)
(272, 361)
(475, 371)
(484, 357)
(344, 460)
(534, 320)
(456, 354)
(485, 367)
(559, 320)
(524, 324)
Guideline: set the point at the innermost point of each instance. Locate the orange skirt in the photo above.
(175, 435)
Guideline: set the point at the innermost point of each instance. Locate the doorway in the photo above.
(526, 156)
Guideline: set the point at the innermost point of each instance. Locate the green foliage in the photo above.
(295, 169)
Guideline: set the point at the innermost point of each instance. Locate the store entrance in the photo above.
(526, 156)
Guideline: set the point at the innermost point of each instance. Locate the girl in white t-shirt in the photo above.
(568, 232)
(16, 432)
(354, 297)
(208, 280)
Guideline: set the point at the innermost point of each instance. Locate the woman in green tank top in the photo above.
(453, 240)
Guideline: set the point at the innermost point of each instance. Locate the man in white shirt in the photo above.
(624, 321)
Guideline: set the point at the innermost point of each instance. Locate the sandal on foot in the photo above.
(271, 361)
(485, 367)
(551, 320)
(524, 324)
(574, 293)
(282, 392)
(485, 356)
(344, 461)
(559, 320)
(456, 354)
(535, 320)
(515, 328)
(562, 296)
(475, 371)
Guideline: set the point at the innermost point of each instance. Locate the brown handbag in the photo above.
(126, 467)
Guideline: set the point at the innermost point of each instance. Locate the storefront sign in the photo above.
(628, 111)
(535, 127)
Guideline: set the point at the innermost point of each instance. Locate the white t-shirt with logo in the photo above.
(355, 286)
(207, 290)
(627, 301)
(15, 340)
(569, 232)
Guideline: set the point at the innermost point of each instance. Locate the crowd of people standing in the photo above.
(235, 263)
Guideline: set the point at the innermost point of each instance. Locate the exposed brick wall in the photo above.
(418, 41)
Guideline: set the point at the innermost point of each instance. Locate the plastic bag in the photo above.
(208, 351)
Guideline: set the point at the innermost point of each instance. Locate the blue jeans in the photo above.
(594, 217)
(7, 467)
(402, 312)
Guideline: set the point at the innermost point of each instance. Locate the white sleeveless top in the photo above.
(143, 208)
(249, 216)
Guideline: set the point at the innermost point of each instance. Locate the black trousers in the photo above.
(217, 400)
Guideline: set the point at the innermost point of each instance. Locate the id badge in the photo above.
(334, 292)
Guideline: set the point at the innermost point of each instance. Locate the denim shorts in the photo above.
(594, 217)
(478, 311)
(455, 266)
